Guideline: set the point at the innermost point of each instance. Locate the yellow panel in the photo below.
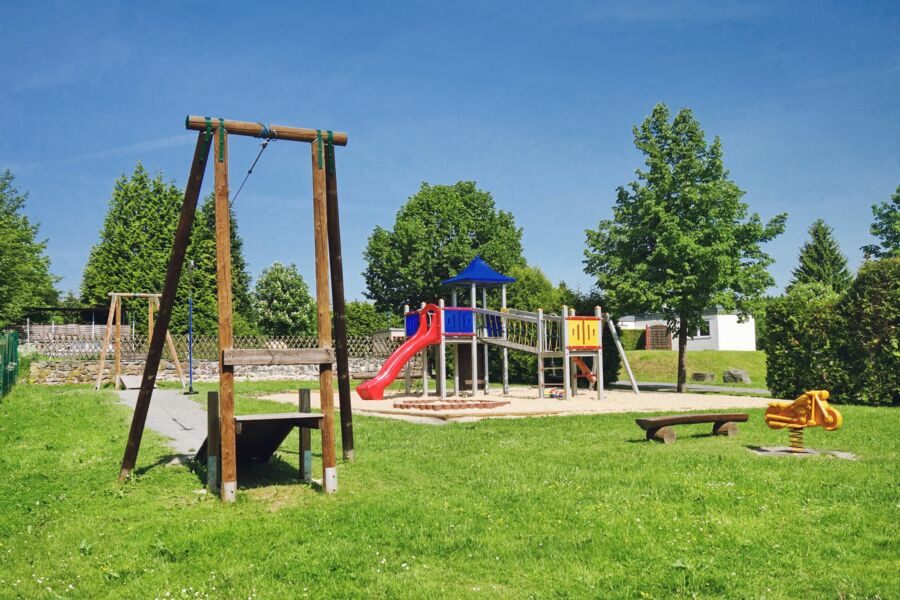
(584, 332)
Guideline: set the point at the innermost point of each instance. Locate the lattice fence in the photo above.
(85, 347)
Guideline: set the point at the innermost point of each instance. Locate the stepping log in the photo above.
(660, 428)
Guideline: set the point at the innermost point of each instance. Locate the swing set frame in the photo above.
(214, 134)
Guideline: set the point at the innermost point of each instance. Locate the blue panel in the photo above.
(458, 321)
(494, 326)
(412, 324)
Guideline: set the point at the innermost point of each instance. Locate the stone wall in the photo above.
(85, 371)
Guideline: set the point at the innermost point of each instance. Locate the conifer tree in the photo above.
(821, 260)
(134, 248)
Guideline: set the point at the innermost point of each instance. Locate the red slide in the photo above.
(426, 335)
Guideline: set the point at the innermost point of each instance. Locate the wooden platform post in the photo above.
(323, 306)
(213, 460)
(336, 262)
(226, 330)
(305, 406)
(173, 274)
(118, 354)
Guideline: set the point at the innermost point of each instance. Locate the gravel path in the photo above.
(174, 415)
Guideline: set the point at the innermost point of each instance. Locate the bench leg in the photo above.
(666, 435)
(727, 428)
(305, 445)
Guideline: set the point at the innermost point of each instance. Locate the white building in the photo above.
(721, 330)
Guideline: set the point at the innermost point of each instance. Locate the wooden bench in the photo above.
(660, 428)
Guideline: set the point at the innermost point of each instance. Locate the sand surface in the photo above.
(523, 402)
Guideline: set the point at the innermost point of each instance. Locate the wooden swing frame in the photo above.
(114, 323)
(214, 134)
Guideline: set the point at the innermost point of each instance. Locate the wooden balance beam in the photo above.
(660, 428)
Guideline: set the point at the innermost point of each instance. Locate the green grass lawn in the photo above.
(662, 365)
(544, 507)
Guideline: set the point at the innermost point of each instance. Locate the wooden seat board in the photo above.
(686, 419)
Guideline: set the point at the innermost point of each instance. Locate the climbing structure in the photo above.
(214, 134)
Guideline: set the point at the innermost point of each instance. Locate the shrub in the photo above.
(806, 347)
(633, 339)
(872, 309)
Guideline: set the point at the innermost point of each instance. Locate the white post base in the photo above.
(229, 491)
(330, 482)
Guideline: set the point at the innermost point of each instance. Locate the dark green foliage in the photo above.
(134, 248)
(435, 235)
(681, 240)
(872, 316)
(283, 303)
(886, 228)
(25, 278)
(821, 260)
(848, 344)
(805, 346)
(363, 319)
(633, 339)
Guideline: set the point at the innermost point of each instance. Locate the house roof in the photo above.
(479, 273)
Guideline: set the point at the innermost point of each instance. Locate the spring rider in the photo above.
(809, 410)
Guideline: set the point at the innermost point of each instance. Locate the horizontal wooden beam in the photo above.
(278, 132)
(134, 295)
(233, 357)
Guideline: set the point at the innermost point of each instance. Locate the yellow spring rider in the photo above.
(809, 410)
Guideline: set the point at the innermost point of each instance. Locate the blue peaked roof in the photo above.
(480, 273)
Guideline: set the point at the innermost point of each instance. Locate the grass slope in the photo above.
(561, 507)
(662, 365)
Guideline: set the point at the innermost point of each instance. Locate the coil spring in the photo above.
(795, 439)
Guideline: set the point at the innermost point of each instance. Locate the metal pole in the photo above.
(598, 368)
(474, 299)
(442, 357)
(567, 365)
(484, 305)
(504, 336)
(540, 350)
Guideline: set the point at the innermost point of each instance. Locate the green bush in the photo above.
(805, 343)
(872, 310)
(633, 339)
(847, 344)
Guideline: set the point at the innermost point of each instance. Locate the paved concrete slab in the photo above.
(174, 415)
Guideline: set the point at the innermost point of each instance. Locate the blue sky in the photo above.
(534, 101)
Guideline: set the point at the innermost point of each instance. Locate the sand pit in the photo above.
(523, 402)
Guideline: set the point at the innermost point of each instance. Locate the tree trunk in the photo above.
(682, 346)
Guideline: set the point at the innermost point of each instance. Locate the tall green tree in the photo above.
(886, 228)
(134, 248)
(821, 260)
(284, 305)
(680, 240)
(435, 235)
(363, 319)
(25, 277)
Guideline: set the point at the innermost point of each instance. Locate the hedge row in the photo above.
(848, 344)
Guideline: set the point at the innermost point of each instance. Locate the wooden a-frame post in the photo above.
(327, 242)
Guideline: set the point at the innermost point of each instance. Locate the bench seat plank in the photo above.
(686, 419)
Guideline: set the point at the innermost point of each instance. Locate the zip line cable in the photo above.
(262, 149)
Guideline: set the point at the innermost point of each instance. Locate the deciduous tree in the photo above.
(25, 278)
(435, 235)
(680, 240)
(886, 228)
(283, 302)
